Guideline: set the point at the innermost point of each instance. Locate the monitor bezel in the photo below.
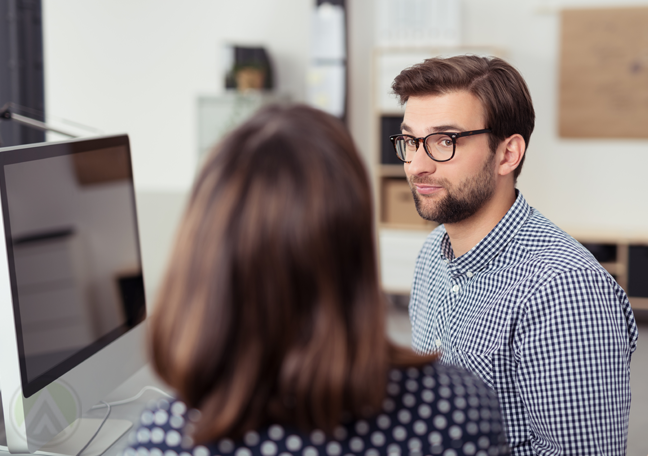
(40, 151)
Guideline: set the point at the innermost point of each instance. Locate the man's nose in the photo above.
(421, 163)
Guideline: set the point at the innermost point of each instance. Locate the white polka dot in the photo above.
(420, 427)
(333, 449)
(383, 421)
(395, 375)
(399, 433)
(243, 452)
(317, 437)
(393, 389)
(427, 395)
(424, 411)
(187, 442)
(409, 400)
(444, 391)
(483, 442)
(173, 438)
(378, 438)
(226, 446)
(458, 417)
(473, 401)
(443, 406)
(393, 449)
(435, 438)
(147, 418)
(455, 432)
(449, 452)
(251, 438)
(414, 444)
(362, 427)
(155, 452)
(340, 433)
(460, 402)
(444, 379)
(293, 443)
(428, 369)
(356, 444)
(411, 385)
(473, 414)
(404, 416)
(200, 451)
(388, 405)
(482, 453)
(440, 422)
(170, 453)
(412, 372)
(176, 422)
(428, 382)
(471, 428)
(157, 435)
(372, 452)
(310, 451)
(285, 454)
(129, 452)
(469, 449)
(184, 453)
(178, 408)
(459, 390)
(141, 451)
(484, 426)
(194, 415)
(276, 432)
(268, 448)
(143, 435)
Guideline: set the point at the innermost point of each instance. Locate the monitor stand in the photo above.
(75, 436)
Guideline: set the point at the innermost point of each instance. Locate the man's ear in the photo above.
(511, 153)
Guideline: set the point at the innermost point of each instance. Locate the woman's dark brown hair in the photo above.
(271, 310)
(498, 85)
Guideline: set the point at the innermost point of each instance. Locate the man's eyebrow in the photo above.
(434, 129)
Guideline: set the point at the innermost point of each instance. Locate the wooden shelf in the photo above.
(639, 303)
(391, 171)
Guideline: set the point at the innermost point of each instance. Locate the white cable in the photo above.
(98, 429)
(134, 398)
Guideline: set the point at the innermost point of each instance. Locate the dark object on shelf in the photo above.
(604, 253)
(250, 68)
(389, 125)
(638, 271)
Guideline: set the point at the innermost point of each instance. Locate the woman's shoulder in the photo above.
(426, 409)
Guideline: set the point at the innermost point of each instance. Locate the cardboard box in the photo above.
(398, 204)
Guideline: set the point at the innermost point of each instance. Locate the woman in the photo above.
(270, 321)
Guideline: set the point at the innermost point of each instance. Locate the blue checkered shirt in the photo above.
(533, 313)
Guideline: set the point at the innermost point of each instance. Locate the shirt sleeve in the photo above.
(573, 361)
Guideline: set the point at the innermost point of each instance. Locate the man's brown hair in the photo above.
(500, 87)
(270, 310)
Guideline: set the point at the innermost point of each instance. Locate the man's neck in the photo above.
(466, 234)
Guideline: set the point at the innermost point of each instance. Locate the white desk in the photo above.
(131, 411)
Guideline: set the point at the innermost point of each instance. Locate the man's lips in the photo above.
(427, 189)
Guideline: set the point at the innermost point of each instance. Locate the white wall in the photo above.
(136, 66)
(578, 184)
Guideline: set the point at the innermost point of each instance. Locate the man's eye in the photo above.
(410, 142)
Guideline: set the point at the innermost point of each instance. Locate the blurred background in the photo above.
(177, 76)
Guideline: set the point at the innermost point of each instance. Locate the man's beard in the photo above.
(461, 202)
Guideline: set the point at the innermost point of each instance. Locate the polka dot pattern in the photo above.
(434, 410)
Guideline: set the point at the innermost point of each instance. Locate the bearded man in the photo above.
(498, 288)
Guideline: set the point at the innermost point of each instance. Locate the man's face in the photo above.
(451, 191)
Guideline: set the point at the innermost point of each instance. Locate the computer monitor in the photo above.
(72, 303)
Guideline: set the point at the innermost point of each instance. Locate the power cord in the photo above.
(110, 405)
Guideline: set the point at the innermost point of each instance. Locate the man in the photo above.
(498, 288)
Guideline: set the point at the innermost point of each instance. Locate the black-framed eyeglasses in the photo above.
(439, 146)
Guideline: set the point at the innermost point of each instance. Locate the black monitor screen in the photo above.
(73, 250)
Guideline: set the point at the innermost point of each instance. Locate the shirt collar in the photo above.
(489, 247)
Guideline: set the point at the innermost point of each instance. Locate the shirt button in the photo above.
(438, 342)
(455, 288)
(469, 274)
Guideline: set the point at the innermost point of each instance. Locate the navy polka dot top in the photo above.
(433, 410)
